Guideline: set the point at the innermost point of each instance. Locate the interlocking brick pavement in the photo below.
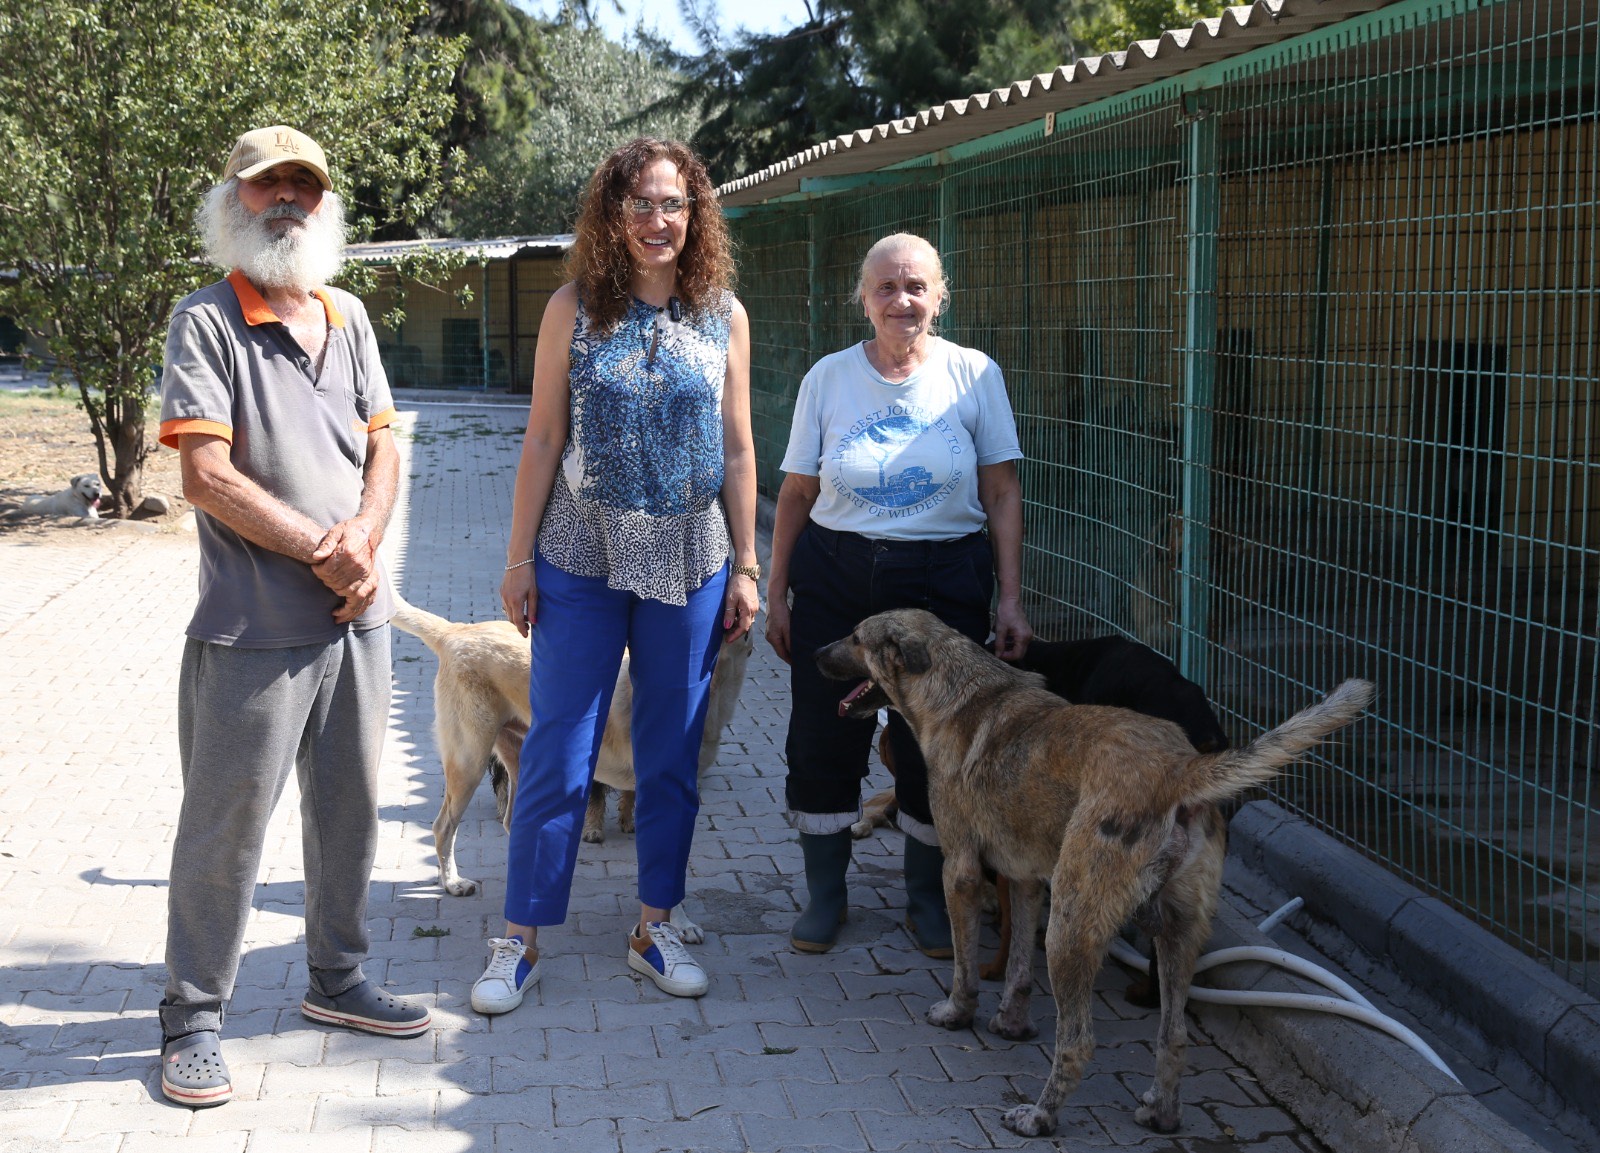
(786, 1052)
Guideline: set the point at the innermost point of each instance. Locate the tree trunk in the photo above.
(126, 432)
(123, 435)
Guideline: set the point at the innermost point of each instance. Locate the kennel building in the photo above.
(473, 329)
(1298, 313)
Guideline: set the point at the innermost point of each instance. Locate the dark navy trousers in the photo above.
(837, 580)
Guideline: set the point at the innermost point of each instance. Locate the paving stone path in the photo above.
(786, 1052)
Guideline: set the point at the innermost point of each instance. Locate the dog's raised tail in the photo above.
(418, 622)
(1219, 776)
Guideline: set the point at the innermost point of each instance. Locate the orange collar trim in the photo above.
(258, 311)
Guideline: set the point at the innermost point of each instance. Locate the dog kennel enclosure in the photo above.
(1298, 313)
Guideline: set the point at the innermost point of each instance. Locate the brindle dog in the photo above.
(1115, 809)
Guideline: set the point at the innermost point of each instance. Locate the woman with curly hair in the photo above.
(632, 525)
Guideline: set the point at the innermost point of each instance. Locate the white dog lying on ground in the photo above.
(80, 498)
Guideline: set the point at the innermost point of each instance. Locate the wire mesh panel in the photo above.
(798, 269)
(774, 286)
(1063, 260)
(1304, 365)
(1405, 485)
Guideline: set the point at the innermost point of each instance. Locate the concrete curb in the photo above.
(1357, 1088)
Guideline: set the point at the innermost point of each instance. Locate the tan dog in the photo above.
(1115, 809)
(480, 701)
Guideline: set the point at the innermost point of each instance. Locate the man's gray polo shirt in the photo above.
(233, 370)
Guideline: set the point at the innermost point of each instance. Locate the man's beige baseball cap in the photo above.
(256, 151)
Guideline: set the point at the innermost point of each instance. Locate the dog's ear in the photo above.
(914, 656)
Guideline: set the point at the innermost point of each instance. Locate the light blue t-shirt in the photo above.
(899, 461)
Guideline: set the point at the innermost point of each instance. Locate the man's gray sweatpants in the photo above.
(245, 718)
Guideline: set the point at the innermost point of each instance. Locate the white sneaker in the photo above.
(510, 974)
(662, 957)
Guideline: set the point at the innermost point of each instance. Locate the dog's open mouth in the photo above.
(865, 698)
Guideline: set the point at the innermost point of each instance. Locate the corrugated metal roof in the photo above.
(1236, 31)
(494, 248)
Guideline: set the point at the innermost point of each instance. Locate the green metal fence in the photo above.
(1303, 352)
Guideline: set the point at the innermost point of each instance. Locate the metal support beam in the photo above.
(1199, 386)
(813, 289)
(946, 237)
(483, 324)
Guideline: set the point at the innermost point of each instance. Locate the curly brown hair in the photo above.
(599, 262)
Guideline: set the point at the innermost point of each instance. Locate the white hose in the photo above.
(1271, 923)
(1297, 965)
(1349, 1004)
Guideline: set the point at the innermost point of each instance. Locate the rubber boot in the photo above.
(827, 858)
(927, 920)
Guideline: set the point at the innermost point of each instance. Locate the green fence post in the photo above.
(483, 325)
(813, 287)
(1199, 385)
(946, 229)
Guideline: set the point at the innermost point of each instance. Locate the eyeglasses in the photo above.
(670, 209)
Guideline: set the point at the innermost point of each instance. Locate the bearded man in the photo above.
(274, 397)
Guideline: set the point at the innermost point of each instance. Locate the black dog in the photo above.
(1116, 671)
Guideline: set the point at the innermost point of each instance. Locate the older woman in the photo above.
(633, 524)
(902, 454)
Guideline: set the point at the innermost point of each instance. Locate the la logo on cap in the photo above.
(286, 142)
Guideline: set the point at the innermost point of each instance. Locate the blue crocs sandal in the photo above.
(193, 1071)
(369, 1009)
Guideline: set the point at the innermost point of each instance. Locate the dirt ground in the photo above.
(45, 441)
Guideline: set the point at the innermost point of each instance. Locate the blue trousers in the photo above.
(580, 630)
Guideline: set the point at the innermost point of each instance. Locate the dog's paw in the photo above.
(948, 1015)
(593, 836)
(691, 933)
(861, 829)
(1029, 1121)
(1152, 1116)
(1012, 1026)
(625, 822)
(461, 887)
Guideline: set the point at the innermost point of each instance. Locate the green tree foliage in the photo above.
(495, 89)
(497, 83)
(918, 53)
(761, 97)
(115, 116)
(598, 94)
(854, 63)
(1111, 25)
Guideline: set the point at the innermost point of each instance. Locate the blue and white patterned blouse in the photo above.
(642, 467)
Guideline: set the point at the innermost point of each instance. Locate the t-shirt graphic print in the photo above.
(899, 461)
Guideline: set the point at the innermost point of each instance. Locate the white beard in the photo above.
(298, 260)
